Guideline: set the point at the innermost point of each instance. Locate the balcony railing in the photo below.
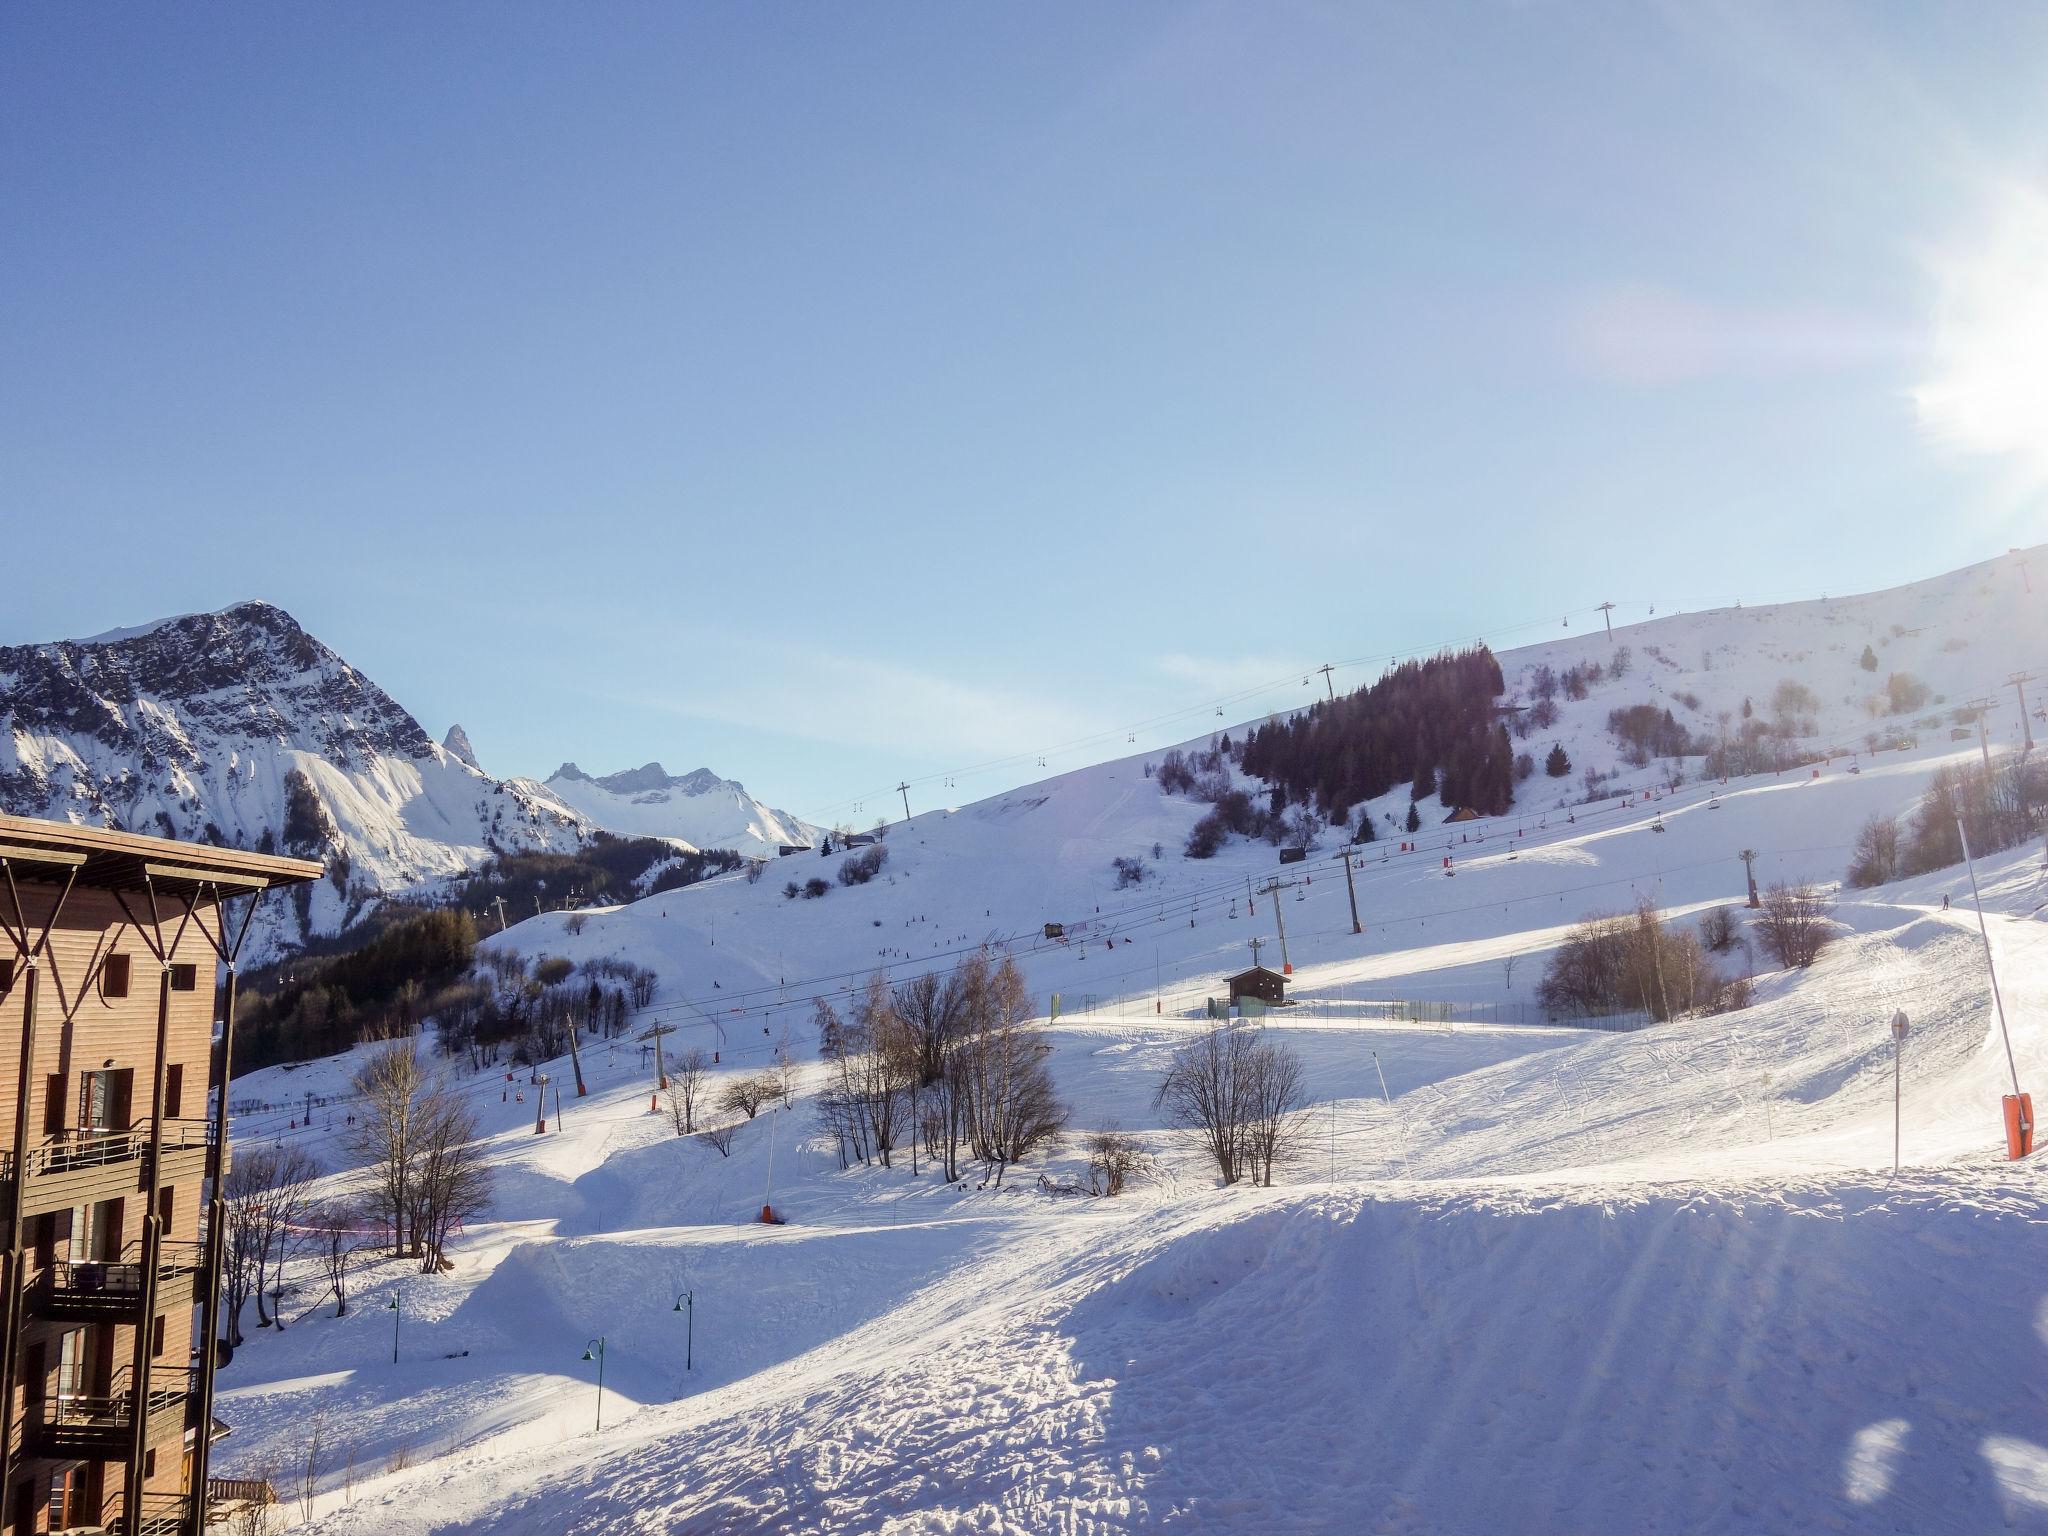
(85, 1288)
(88, 1147)
(161, 1514)
(88, 1422)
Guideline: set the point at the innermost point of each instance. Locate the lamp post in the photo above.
(397, 1313)
(594, 1350)
(687, 1305)
(1899, 1027)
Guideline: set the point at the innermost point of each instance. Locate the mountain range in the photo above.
(239, 727)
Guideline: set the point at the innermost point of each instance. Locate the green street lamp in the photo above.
(687, 1305)
(594, 1350)
(397, 1313)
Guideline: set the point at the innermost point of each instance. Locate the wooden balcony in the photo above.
(83, 1166)
(100, 1425)
(102, 1290)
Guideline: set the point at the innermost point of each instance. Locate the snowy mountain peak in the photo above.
(456, 743)
(699, 808)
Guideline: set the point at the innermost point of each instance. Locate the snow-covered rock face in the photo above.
(456, 743)
(205, 727)
(698, 808)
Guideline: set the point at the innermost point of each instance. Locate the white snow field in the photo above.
(1523, 1277)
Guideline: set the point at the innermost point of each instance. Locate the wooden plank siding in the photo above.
(86, 1186)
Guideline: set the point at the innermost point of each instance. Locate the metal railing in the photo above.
(115, 1283)
(94, 1147)
(158, 1514)
(112, 1409)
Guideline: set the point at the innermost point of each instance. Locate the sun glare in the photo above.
(1987, 387)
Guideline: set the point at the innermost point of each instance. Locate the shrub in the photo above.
(1875, 858)
(1717, 930)
(1614, 964)
(815, 887)
(1795, 926)
(863, 866)
(1905, 693)
(792, 890)
(1525, 765)
(1114, 1158)
(1206, 837)
(1129, 872)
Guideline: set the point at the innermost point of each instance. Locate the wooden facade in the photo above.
(113, 1116)
(1267, 986)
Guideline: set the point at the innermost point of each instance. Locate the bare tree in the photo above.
(1011, 1107)
(1507, 971)
(1276, 1108)
(1241, 1096)
(451, 1182)
(335, 1233)
(720, 1136)
(686, 1087)
(265, 1191)
(309, 1461)
(746, 1094)
(1795, 926)
(386, 1134)
(1115, 1157)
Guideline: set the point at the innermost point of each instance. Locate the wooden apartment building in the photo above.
(112, 1142)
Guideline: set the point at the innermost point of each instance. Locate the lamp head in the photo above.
(588, 1355)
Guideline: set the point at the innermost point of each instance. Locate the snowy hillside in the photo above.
(698, 808)
(1517, 1277)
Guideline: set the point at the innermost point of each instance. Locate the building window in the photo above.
(55, 1092)
(6, 976)
(174, 1090)
(184, 978)
(114, 977)
(156, 1337)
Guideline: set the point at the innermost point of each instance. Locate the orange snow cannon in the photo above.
(2019, 1125)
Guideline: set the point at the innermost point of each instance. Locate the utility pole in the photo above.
(1983, 708)
(1748, 857)
(1257, 944)
(2019, 680)
(1273, 889)
(654, 1033)
(500, 905)
(2019, 1106)
(903, 789)
(2023, 572)
(1351, 890)
(575, 1060)
(1607, 613)
(1899, 1027)
(1325, 669)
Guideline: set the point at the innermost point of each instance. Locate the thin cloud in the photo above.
(1214, 677)
(1649, 335)
(857, 701)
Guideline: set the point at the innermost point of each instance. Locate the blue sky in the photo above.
(833, 394)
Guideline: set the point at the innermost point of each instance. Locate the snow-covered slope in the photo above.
(200, 727)
(1518, 1277)
(698, 808)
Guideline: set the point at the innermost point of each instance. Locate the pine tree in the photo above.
(1414, 818)
(1365, 833)
(1425, 783)
(1868, 660)
(1557, 765)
